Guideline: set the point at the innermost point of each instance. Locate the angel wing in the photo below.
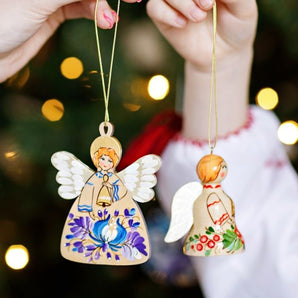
(139, 177)
(182, 213)
(72, 174)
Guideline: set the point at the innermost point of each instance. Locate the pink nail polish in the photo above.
(139, 1)
(109, 18)
(115, 16)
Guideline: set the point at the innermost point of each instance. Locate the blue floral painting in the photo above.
(112, 236)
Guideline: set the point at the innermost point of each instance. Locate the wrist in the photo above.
(224, 61)
(233, 76)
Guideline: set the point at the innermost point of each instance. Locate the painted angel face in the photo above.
(105, 158)
(222, 172)
(105, 162)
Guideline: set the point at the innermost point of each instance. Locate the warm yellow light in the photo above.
(288, 132)
(267, 98)
(131, 107)
(20, 79)
(71, 68)
(10, 154)
(158, 87)
(53, 109)
(17, 256)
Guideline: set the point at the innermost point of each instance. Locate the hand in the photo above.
(188, 27)
(26, 25)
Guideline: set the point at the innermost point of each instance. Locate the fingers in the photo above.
(160, 12)
(177, 13)
(204, 4)
(106, 16)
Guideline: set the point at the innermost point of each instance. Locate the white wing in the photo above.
(72, 174)
(139, 177)
(182, 211)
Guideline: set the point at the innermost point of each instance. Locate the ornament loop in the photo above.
(106, 129)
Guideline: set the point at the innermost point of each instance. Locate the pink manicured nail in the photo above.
(139, 1)
(109, 18)
(115, 16)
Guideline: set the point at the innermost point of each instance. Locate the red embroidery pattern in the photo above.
(210, 186)
(222, 219)
(178, 137)
(215, 202)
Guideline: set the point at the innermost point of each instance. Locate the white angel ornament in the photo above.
(206, 213)
(105, 224)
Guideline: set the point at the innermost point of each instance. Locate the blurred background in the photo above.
(55, 103)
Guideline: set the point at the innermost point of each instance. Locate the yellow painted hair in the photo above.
(105, 151)
(208, 167)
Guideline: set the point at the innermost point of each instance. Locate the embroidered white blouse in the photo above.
(264, 188)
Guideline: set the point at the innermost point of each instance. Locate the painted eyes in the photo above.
(106, 159)
(224, 167)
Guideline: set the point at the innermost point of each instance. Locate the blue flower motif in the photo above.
(80, 227)
(78, 246)
(134, 246)
(108, 234)
(129, 213)
(133, 224)
(135, 240)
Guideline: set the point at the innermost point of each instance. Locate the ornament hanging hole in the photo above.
(106, 129)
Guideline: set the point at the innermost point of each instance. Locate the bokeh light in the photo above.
(288, 132)
(71, 68)
(131, 107)
(52, 109)
(158, 87)
(10, 154)
(17, 256)
(267, 98)
(19, 79)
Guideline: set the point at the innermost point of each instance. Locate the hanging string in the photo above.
(213, 93)
(106, 91)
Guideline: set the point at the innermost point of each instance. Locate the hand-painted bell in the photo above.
(210, 211)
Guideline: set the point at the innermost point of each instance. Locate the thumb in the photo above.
(106, 16)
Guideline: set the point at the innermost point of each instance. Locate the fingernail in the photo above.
(139, 1)
(197, 14)
(108, 17)
(206, 3)
(181, 22)
(115, 16)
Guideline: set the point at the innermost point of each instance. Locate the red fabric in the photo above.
(153, 139)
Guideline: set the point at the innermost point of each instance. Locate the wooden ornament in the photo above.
(105, 225)
(205, 213)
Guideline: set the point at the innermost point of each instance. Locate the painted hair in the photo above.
(105, 151)
(208, 168)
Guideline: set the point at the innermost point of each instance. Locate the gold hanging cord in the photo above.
(106, 91)
(213, 95)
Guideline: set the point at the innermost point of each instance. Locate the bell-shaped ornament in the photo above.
(210, 224)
